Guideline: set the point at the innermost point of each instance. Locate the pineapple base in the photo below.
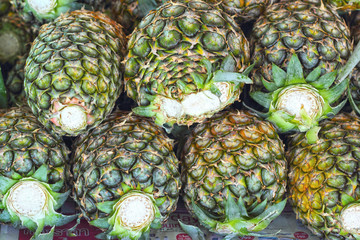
(349, 218)
(42, 6)
(135, 211)
(28, 198)
(10, 46)
(72, 118)
(296, 99)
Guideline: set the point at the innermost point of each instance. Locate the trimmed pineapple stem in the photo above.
(349, 218)
(135, 211)
(73, 118)
(42, 6)
(28, 198)
(10, 45)
(293, 99)
(197, 104)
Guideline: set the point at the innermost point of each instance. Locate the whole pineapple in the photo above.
(324, 187)
(183, 63)
(73, 74)
(34, 169)
(302, 55)
(234, 173)
(126, 178)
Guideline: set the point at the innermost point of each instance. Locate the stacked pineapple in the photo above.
(182, 64)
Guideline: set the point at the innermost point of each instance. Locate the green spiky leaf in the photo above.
(228, 64)
(312, 134)
(279, 76)
(314, 75)
(334, 93)
(206, 221)
(146, 111)
(198, 80)
(232, 210)
(259, 208)
(6, 184)
(294, 71)
(221, 76)
(264, 99)
(41, 173)
(261, 221)
(325, 81)
(46, 236)
(193, 231)
(346, 199)
(207, 65)
(107, 206)
(270, 86)
(100, 223)
(242, 207)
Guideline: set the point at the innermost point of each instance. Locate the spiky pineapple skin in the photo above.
(236, 151)
(242, 11)
(321, 174)
(75, 60)
(125, 150)
(169, 45)
(318, 35)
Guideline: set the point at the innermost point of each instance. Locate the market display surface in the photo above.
(179, 119)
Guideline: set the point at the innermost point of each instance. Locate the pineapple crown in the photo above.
(239, 220)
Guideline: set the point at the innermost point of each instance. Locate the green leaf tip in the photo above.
(193, 231)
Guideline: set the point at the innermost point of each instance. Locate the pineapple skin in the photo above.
(323, 174)
(233, 151)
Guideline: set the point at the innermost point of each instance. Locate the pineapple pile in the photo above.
(126, 107)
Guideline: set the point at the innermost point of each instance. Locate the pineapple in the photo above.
(302, 58)
(126, 178)
(73, 74)
(234, 173)
(324, 187)
(34, 169)
(184, 61)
